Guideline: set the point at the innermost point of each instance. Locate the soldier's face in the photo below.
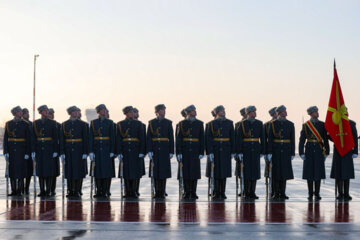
(252, 114)
(51, 116)
(275, 115)
(192, 113)
(315, 114)
(161, 113)
(44, 113)
(74, 114)
(221, 113)
(130, 114)
(25, 115)
(283, 114)
(102, 112)
(136, 115)
(18, 114)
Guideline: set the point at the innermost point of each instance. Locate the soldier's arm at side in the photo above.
(355, 136)
(262, 140)
(148, 140)
(171, 139)
(91, 140)
(202, 139)
(326, 142)
(178, 140)
(232, 138)
(302, 140)
(292, 137)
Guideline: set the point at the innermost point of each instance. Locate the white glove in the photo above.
(84, 156)
(269, 156)
(211, 157)
(6, 156)
(120, 157)
(240, 156)
(111, 155)
(150, 154)
(62, 157)
(261, 155)
(171, 155)
(179, 157)
(141, 155)
(201, 157)
(26, 157)
(233, 155)
(354, 156)
(33, 156)
(92, 156)
(292, 157)
(302, 157)
(55, 154)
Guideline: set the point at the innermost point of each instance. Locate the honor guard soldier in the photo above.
(53, 184)
(208, 163)
(221, 147)
(101, 150)
(74, 150)
(87, 140)
(46, 149)
(17, 150)
(316, 150)
(281, 149)
(130, 145)
(160, 148)
(190, 146)
(237, 164)
(29, 165)
(136, 117)
(115, 154)
(342, 169)
(267, 127)
(250, 148)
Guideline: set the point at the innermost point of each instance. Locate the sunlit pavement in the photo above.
(55, 218)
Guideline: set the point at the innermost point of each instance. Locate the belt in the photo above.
(251, 139)
(160, 139)
(312, 140)
(221, 139)
(74, 140)
(44, 138)
(16, 139)
(131, 140)
(102, 138)
(282, 140)
(190, 139)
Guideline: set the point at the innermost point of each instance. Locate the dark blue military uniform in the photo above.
(315, 151)
(29, 164)
(17, 143)
(74, 144)
(160, 141)
(46, 144)
(250, 143)
(102, 143)
(130, 140)
(221, 143)
(342, 168)
(190, 143)
(281, 145)
(57, 159)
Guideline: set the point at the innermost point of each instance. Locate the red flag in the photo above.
(337, 123)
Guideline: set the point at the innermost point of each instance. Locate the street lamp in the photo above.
(35, 57)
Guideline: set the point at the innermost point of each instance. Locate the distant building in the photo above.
(90, 114)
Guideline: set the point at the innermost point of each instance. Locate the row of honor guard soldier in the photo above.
(43, 141)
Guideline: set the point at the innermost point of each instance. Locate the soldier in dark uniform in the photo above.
(316, 151)
(160, 148)
(74, 150)
(53, 184)
(136, 117)
(250, 148)
(29, 165)
(281, 151)
(17, 149)
(101, 150)
(113, 158)
(87, 141)
(237, 161)
(130, 146)
(342, 169)
(190, 144)
(267, 127)
(221, 147)
(46, 149)
(208, 163)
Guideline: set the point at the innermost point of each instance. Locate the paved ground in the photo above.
(54, 218)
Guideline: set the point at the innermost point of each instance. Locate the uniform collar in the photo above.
(191, 119)
(17, 119)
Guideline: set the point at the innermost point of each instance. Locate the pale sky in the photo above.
(202, 52)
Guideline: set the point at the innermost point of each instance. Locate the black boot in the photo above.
(137, 187)
(186, 189)
(98, 188)
(347, 196)
(81, 183)
(157, 188)
(283, 190)
(310, 189)
(127, 188)
(253, 189)
(20, 187)
(223, 188)
(109, 187)
(69, 188)
(193, 189)
(275, 188)
(317, 190)
(163, 188)
(53, 187)
(27, 185)
(340, 186)
(48, 186)
(13, 187)
(42, 187)
(217, 189)
(77, 185)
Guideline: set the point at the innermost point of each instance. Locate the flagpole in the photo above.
(34, 87)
